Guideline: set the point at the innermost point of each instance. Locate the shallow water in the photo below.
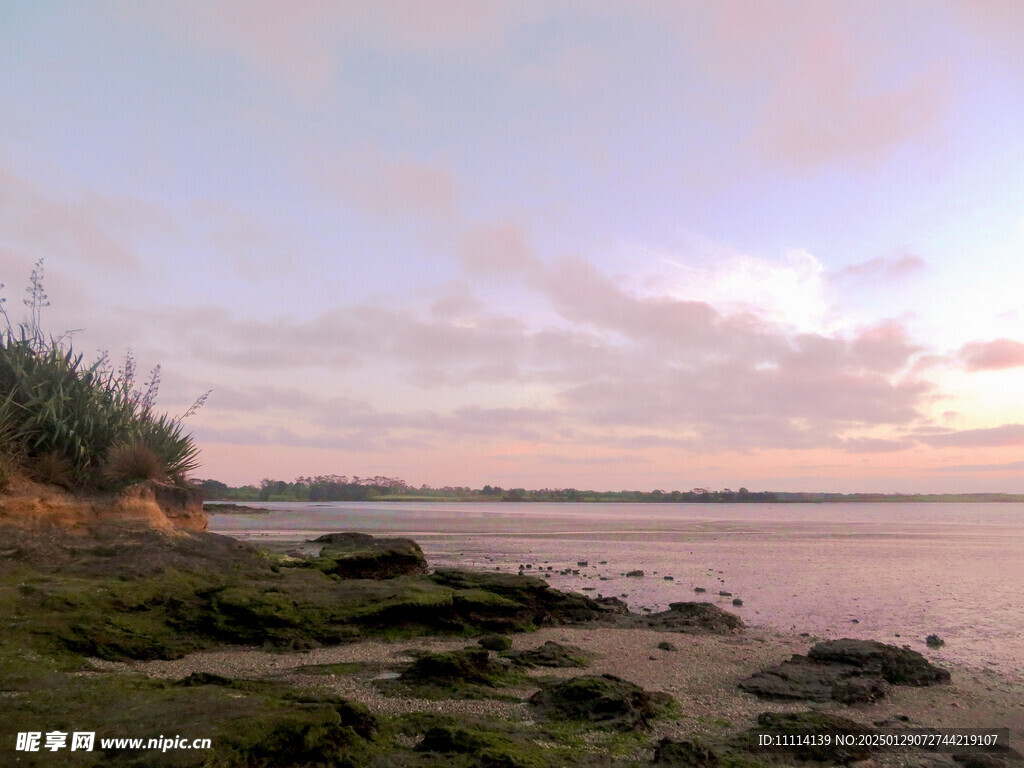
(891, 572)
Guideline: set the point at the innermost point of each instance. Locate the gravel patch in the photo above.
(701, 675)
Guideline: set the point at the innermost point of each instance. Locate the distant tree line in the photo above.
(344, 488)
(379, 488)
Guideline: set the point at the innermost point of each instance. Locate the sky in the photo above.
(573, 243)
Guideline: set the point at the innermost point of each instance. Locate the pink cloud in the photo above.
(883, 269)
(613, 367)
(38, 223)
(885, 347)
(304, 45)
(991, 437)
(992, 355)
(876, 445)
(395, 189)
(499, 248)
(827, 108)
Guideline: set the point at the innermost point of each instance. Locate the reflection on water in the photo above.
(892, 572)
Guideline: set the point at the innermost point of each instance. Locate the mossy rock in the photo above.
(684, 754)
(899, 666)
(470, 673)
(443, 738)
(306, 734)
(551, 654)
(800, 678)
(468, 665)
(803, 724)
(495, 642)
(606, 701)
(694, 617)
(538, 603)
(352, 555)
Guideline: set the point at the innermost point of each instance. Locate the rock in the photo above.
(196, 679)
(465, 666)
(664, 645)
(858, 690)
(669, 578)
(683, 754)
(723, 593)
(613, 605)
(847, 671)
(899, 666)
(361, 556)
(934, 641)
(694, 617)
(797, 679)
(1004, 757)
(803, 724)
(581, 564)
(737, 602)
(606, 701)
(446, 738)
(508, 600)
(551, 654)
(495, 642)
(223, 508)
(635, 574)
(699, 590)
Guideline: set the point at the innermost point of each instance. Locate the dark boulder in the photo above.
(495, 642)
(551, 654)
(694, 618)
(606, 701)
(992, 757)
(613, 606)
(520, 600)
(354, 555)
(197, 679)
(465, 666)
(803, 679)
(801, 725)
(445, 738)
(683, 754)
(847, 671)
(899, 666)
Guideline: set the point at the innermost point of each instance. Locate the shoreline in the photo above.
(702, 675)
(344, 633)
(858, 605)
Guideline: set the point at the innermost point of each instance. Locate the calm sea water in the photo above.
(890, 572)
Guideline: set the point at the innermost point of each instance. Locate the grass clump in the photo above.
(133, 462)
(76, 424)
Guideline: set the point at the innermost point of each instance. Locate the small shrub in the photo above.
(53, 404)
(52, 469)
(131, 463)
(8, 469)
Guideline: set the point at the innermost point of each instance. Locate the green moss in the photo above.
(603, 700)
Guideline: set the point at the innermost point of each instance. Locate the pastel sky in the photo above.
(573, 243)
